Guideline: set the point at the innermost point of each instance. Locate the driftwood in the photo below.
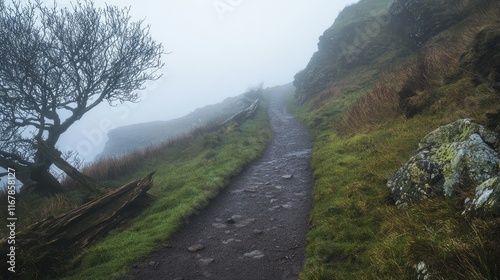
(46, 245)
(243, 115)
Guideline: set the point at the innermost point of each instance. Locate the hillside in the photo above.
(394, 86)
(386, 74)
(125, 139)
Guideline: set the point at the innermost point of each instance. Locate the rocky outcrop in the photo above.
(366, 33)
(483, 57)
(453, 156)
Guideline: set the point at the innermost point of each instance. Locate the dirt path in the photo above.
(256, 227)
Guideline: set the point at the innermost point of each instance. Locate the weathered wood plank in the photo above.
(245, 114)
(46, 246)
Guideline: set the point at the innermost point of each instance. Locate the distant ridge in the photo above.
(124, 139)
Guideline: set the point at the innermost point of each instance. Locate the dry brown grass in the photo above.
(31, 208)
(331, 92)
(115, 167)
(409, 89)
(379, 104)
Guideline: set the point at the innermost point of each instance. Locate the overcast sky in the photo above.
(218, 49)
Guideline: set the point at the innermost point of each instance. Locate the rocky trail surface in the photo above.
(256, 227)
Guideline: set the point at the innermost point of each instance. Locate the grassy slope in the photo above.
(141, 135)
(355, 232)
(188, 176)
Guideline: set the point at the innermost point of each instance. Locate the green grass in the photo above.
(186, 179)
(350, 196)
(355, 233)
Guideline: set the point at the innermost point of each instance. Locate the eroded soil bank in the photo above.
(256, 227)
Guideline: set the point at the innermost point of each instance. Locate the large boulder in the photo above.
(453, 156)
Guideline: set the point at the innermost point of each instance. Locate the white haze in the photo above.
(218, 48)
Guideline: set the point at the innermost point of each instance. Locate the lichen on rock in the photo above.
(422, 271)
(415, 181)
(486, 201)
(450, 157)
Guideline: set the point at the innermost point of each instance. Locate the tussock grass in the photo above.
(422, 82)
(379, 105)
(189, 173)
(452, 246)
(31, 208)
(409, 85)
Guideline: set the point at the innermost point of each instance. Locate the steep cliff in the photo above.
(380, 33)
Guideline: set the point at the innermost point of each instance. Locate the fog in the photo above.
(217, 49)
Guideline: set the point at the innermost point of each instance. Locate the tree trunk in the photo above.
(42, 181)
(84, 181)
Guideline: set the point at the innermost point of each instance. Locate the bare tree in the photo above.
(56, 64)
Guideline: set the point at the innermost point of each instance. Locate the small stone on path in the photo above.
(270, 195)
(289, 176)
(274, 208)
(288, 205)
(205, 261)
(230, 240)
(195, 248)
(254, 254)
(244, 223)
(219, 225)
(236, 217)
(258, 232)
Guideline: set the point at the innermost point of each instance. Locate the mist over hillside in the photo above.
(138, 136)
(401, 102)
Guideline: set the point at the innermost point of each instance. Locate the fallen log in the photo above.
(46, 246)
(244, 114)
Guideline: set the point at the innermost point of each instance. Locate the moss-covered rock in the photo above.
(453, 156)
(486, 201)
(415, 181)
